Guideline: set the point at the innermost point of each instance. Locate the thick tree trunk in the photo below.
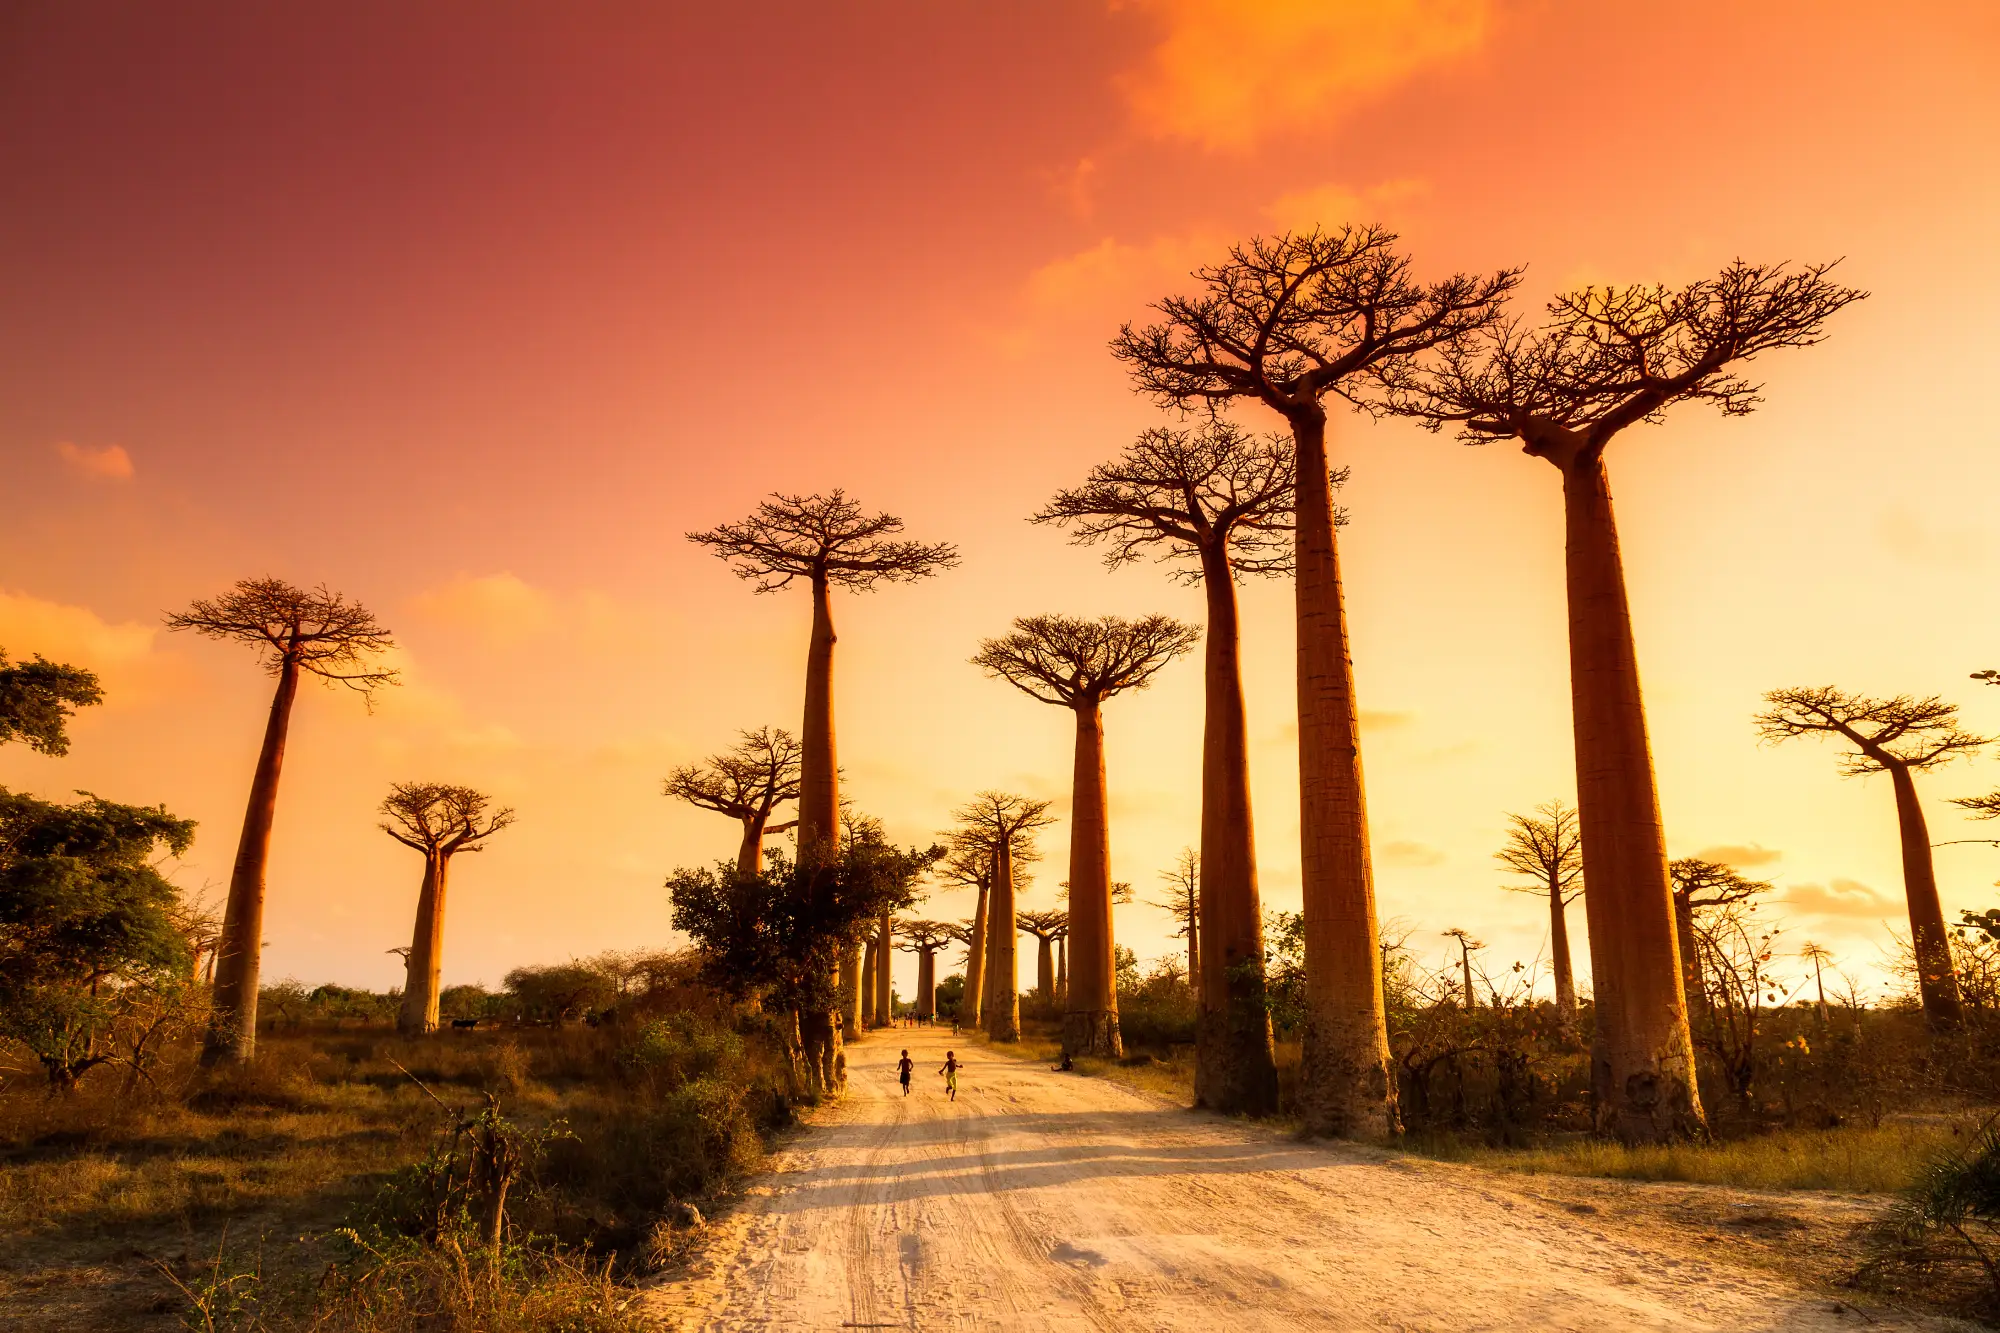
(1559, 948)
(1045, 970)
(425, 964)
(1062, 970)
(819, 835)
(1235, 1070)
(1003, 1003)
(926, 984)
(1937, 978)
(972, 999)
(1346, 1085)
(750, 856)
(232, 1031)
(1642, 1060)
(885, 956)
(1090, 1020)
(870, 965)
(852, 983)
(1694, 983)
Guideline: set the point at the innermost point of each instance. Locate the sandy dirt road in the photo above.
(1050, 1201)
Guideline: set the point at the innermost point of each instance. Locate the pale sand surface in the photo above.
(1050, 1201)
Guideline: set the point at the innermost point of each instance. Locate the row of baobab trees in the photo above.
(1289, 325)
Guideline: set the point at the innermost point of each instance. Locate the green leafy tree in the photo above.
(38, 698)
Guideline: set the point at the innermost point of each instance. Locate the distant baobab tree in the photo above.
(1900, 736)
(1218, 502)
(1700, 885)
(38, 698)
(1078, 664)
(1608, 358)
(1467, 946)
(1286, 321)
(826, 541)
(297, 632)
(748, 783)
(1045, 924)
(439, 821)
(924, 939)
(1184, 889)
(1547, 848)
(883, 976)
(970, 863)
(1004, 825)
(865, 987)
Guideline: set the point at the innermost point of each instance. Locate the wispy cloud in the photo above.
(106, 462)
(1843, 897)
(1744, 856)
(1410, 855)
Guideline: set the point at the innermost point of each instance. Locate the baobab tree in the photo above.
(924, 939)
(748, 783)
(827, 542)
(1045, 924)
(864, 994)
(1003, 825)
(1183, 881)
(297, 632)
(970, 863)
(885, 955)
(1901, 736)
(38, 698)
(1078, 664)
(1467, 946)
(439, 821)
(1608, 358)
(1219, 503)
(1547, 848)
(1286, 321)
(1700, 885)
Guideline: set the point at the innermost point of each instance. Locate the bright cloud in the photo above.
(73, 634)
(1227, 73)
(107, 462)
(1390, 202)
(500, 606)
(1843, 897)
(1411, 855)
(1744, 856)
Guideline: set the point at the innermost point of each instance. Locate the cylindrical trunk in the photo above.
(851, 985)
(1559, 948)
(1471, 995)
(1235, 1069)
(1642, 1061)
(750, 856)
(870, 965)
(971, 999)
(1062, 969)
(1045, 970)
(1937, 978)
(926, 984)
(885, 956)
(425, 964)
(819, 841)
(1090, 1019)
(1694, 982)
(1003, 1008)
(232, 1031)
(1346, 1086)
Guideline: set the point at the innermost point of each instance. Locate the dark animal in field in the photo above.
(464, 1024)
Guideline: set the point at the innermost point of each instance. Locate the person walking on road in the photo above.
(950, 1070)
(904, 1068)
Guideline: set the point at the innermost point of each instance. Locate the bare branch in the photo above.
(822, 537)
(315, 630)
(442, 820)
(1078, 663)
(1547, 847)
(747, 782)
(1901, 731)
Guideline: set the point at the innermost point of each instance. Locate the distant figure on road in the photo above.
(904, 1068)
(1067, 1066)
(950, 1070)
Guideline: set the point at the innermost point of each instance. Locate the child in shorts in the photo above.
(950, 1071)
(904, 1068)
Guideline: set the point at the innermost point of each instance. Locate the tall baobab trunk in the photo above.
(232, 1032)
(1694, 983)
(819, 830)
(852, 984)
(1062, 970)
(1346, 1085)
(1235, 1070)
(1937, 980)
(750, 856)
(870, 964)
(1045, 970)
(1559, 947)
(1090, 1023)
(971, 999)
(1642, 1060)
(885, 954)
(926, 984)
(421, 970)
(1003, 1005)
(1471, 995)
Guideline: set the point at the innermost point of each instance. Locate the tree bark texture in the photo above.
(1642, 1060)
(870, 965)
(1090, 1022)
(1937, 979)
(885, 955)
(1235, 1068)
(819, 836)
(971, 999)
(1346, 1084)
(422, 969)
(232, 1031)
(1003, 1003)
(926, 984)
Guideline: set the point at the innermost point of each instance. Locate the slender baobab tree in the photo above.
(297, 632)
(865, 991)
(1547, 848)
(1699, 885)
(747, 783)
(1901, 736)
(1003, 825)
(884, 946)
(826, 541)
(439, 821)
(970, 863)
(1218, 502)
(1606, 359)
(1061, 938)
(1467, 946)
(924, 939)
(1045, 924)
(1286, 321)
(1078, 664)
(1184, 888)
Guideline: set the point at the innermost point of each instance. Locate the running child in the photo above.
(904, 1068)
(950, 1070)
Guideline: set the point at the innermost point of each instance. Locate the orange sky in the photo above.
(471, 310)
